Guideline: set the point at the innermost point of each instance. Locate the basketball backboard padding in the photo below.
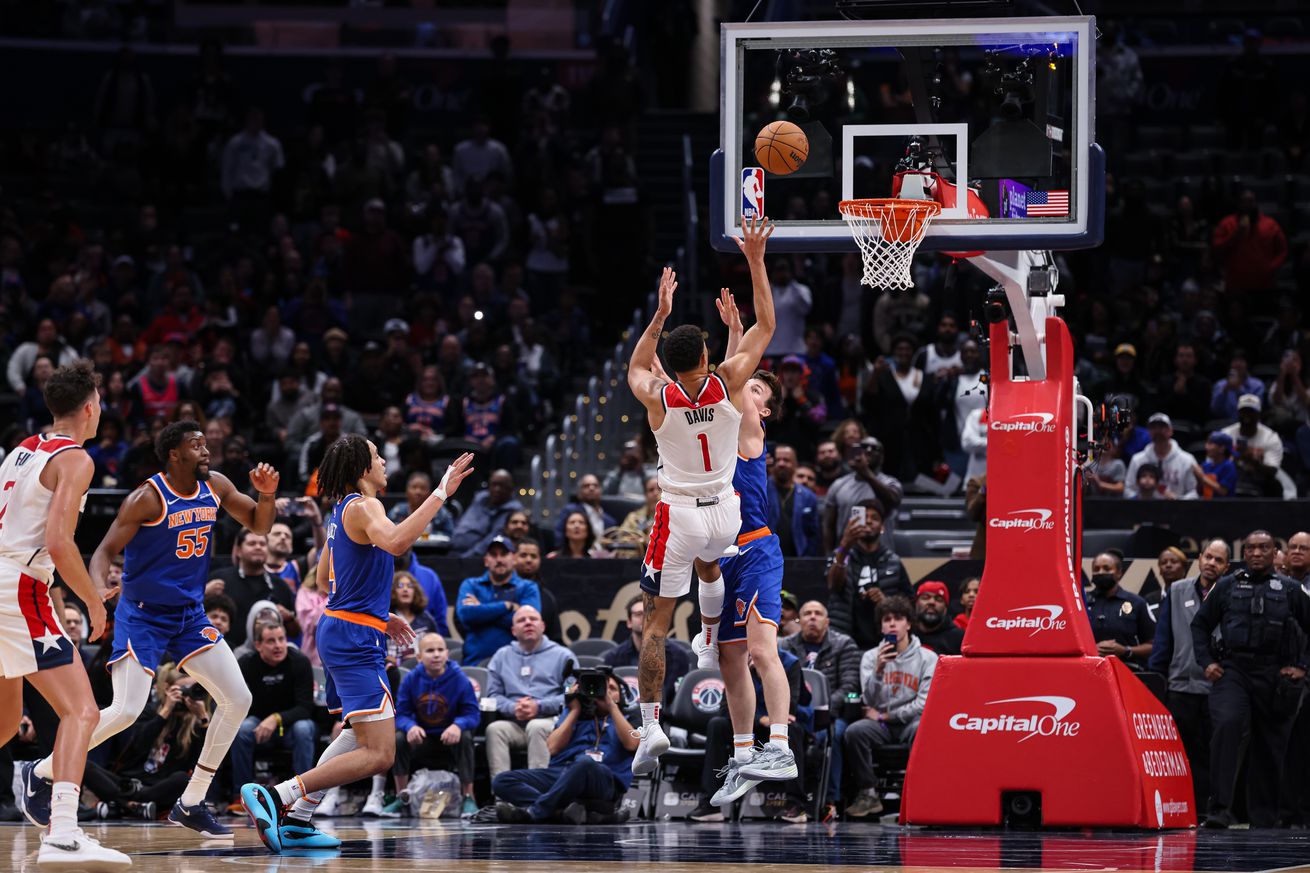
(721, 236)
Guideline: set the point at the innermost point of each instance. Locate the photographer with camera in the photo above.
(590, 768)
(861, 573)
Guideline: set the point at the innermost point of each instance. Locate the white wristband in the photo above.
(440, 490)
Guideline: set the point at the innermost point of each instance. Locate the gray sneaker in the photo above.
(865, 803)
(734, 784)
(771, 763)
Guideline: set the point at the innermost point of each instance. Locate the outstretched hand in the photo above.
(455, 474)
(264, 478)
(399, 630)
(668, 284)
(754, 236)
(728, 311)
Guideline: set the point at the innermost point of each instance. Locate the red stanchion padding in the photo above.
(1082, 733)
(1030, 600)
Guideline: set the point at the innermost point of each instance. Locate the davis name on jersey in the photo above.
(697, 440)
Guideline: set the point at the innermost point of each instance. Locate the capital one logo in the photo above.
(1025, 520)
(1046, 718)
(1027, 423)
(1038, 618)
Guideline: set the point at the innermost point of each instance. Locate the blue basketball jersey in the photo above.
(359, 576)
(167, 562)
(751, 481)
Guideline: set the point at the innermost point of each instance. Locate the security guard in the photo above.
(1121, 621)
(1257, 673)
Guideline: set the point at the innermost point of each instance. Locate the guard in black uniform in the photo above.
(1257, 671)
(1121, 621)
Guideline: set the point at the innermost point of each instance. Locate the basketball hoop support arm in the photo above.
(1030, 279)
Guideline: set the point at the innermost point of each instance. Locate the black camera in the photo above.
(195, 691)
(593, 684)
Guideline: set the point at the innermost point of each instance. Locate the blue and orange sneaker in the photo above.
(199, 819)
(265, 814)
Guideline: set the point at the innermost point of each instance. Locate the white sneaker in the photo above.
(374, 807)
(77, 851)
(706, 646)
(653, 744)
(331, 801)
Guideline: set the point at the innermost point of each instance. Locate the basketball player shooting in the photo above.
(695, 418)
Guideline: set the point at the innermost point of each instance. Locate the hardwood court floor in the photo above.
(668, 847)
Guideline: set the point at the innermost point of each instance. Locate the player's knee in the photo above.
(762, 653)
(240, 699)
(383, 757)
(83, 713)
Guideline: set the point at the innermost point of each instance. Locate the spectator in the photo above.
(578, 540)
(248, 581)
(897, 405)
(436, 715)
(527, 564)
(941, 358)
(291, 397)
(1124, 378)
(893, 701)
(828, 467)
(790, 623)
(377, 259)
(438, 255)
(486, 515)
(250, 160)
(410, 603)
(1249, 247)
(1289, 400)
(1184, 394)
(428, 407)
(1121, 621)
(1172, 656)
(430, 584)
(312, 452)
(861, 573)
(1171, 566)
(282, 542)
(587, 503)
(836, 656)
(281, 683)
(310, 604)
(1148, 484)
(960, 391)
(865, 481)
(629, 479)
(32, 409)
(1253, 440)
(486, 417)
(417, 488)
(1239, 383)
(628, 652)
(481, 225)
(486, 603)
(973, 442)
(932, 625)
(800, 410)
(271, 343)
(968, 597)
(1298, 559)
(74, 624)
(791, 302)
(479, 156)
(159, 389)
(1177, 476)
(637, 524)
(591, 749)
(219, 609)
(47, 343)
(793, 508)
(823, 371)
(526, 681)
(1217, 476)
(305, 422)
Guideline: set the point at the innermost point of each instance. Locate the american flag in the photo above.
(1047, 203)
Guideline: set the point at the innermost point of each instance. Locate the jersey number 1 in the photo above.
(705, 451)
(193, 542)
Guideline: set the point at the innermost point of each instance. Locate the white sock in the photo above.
(290, 791)
(743, 747)
(63, 808)
(198, 787)
(778, 736)
(380, 783)
(346, 741)
(710, 595)
(45, 769)
(650, 714)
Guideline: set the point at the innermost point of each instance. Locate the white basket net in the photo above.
(888, 232)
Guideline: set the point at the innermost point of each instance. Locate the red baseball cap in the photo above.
(934, 587)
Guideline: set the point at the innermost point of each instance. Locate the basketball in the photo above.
(781, 148)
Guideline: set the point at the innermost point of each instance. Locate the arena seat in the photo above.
(592, 646)
(1097, 541)
(931, 543)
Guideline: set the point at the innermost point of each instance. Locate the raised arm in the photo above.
(396, 539)
(258, 516)
(645, 376)
(732, 318)
(736, 369)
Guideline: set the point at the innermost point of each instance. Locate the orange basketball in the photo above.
(781, 147)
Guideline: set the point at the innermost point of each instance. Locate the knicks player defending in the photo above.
(695, 418)
(356, 570)
(752, 600)
(43, 486)
(165, 528)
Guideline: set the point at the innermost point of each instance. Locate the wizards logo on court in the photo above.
(210, 634)
(707, 694)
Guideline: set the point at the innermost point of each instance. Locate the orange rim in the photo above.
(900, 219)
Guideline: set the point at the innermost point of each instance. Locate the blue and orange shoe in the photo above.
(199, 819)
(265, 814)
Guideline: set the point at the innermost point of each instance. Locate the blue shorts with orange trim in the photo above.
(354, 658)
(151, 634)
(752, 587)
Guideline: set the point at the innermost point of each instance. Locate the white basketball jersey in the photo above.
(698, 440)
(25, 502)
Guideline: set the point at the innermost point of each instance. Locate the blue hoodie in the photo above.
(430, 582)
(490, 621)
(539, 674)
(434, 702)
